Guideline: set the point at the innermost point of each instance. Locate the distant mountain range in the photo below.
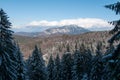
(69, 29)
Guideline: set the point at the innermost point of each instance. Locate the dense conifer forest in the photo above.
(79, 61)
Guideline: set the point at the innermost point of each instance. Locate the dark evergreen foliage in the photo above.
(20, 66)
(115, 7)
(68, 48)
(57, 68)
(66, 67)
(36, 67)
(77, 69)
(7, 50)
(112, 71)
(96, 68)
(50, 69)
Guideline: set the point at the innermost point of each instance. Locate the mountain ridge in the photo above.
(68, 29)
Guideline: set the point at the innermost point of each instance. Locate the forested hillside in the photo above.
(59, 44)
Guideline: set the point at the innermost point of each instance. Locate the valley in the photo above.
(57, 43)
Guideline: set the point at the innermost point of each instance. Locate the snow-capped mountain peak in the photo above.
(69, 29)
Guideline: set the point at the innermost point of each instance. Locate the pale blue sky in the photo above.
(25, 11)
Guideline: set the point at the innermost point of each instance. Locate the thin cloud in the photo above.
(82, 22)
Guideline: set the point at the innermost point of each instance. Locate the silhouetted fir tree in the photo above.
(66, 66)
(50, 68)
(21, 71)
(87, 63)
(112, 71)
(82, 48)
(88, 53)
(115, 7)
(77, 69)
(92, 48)
(99, 49)
(7, 50)
(97, 66)
(97, 70)
(27, 63)
(36, 66)
(68, 48)
(82, 64)
(110, 49)
(57, 68)
(76, 46)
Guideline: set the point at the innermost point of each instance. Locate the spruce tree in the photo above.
(50, 68)
(86, 62)
(97, 64)
(77, 69)
(7, 50)
(82, 65)
(112, 71)
(20, 66)
(116, 31)
(96, 68)
(68, 48)
(82, 48)
(98, 50)
(66, 66)
(36, 66)
(28, 66)
(57, 68)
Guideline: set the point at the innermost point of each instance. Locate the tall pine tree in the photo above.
(112, 69)
(20, 65)
(96, 64)
(66, 66)
(57, 68)
(50, 68)
(7, 50)
(77, 69)
(36, 66)
(81, 66)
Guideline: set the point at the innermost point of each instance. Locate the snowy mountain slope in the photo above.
(69, 29)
